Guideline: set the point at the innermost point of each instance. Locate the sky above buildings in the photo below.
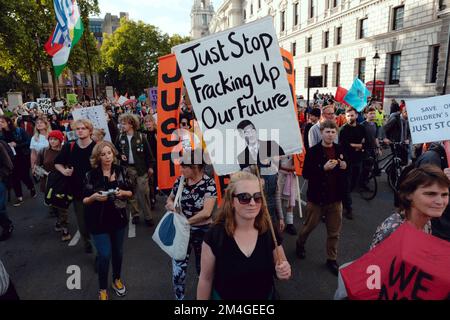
(171, 16)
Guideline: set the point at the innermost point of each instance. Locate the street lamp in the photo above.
(376, 60)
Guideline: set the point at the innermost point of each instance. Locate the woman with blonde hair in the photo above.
(39, 141)
(239, 256)
(106, 191)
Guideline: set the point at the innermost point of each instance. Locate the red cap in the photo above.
(57, 135)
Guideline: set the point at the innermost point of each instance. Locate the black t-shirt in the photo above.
(79, 159)
(350, 134)
(236, 276)
(111, 215)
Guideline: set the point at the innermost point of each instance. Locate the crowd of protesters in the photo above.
(236, 254)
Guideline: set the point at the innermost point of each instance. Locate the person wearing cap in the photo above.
(47, 161)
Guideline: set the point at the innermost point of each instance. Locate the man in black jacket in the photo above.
(325, 169)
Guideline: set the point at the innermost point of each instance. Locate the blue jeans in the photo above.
(109, 245)
(4, 220)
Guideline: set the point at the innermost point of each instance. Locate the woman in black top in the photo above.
(238, 253)
(106, 190)
(19, 141)
(150, 133)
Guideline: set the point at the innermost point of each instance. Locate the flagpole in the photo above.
(89, 65)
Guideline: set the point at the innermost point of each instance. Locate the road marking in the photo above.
(75, 239)
(131, 229)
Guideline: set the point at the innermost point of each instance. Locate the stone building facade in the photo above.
(201, 15)
(337, 39)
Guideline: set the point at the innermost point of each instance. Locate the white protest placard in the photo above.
(241, 97)
(44, 104)
(122, 100)
(97, 115)
(59, 104)
(429, 119)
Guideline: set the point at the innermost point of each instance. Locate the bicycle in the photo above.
(390, 163)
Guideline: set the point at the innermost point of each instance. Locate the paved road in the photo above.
(37, 260)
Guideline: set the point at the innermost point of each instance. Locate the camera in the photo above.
(111, 194)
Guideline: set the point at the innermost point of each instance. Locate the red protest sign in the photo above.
(408, 265)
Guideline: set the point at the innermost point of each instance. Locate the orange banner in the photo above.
(169, 97)
(221, 185)
(288, 61)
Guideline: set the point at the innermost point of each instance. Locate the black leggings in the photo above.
(21, 172)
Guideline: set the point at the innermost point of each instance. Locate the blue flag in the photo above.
(357, 95)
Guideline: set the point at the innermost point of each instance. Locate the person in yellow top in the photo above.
(379, 114)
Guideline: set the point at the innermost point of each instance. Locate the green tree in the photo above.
(130, 55)
(26, 26)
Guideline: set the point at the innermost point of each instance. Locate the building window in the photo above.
(394, 70)
(308, 44)
(337, 74)
(295, 14)
(259, 4)
(282, 20)
(251, 9)
(245, 14)
(335, 3)
(325, 75)
(203, 4)
(311, 8)
(362, 69)
(294, 48)
(398, 18)
(434, 63)
(307, 75)
(326, 36)
(204, 19)
(338, 35)
(363, 23)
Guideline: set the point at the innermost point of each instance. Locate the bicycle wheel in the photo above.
(369, 190)
(393, 175)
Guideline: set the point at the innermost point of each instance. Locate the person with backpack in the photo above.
(6, 168)
(136, 156)
(47, 161)
(74, 162)
(19, 142)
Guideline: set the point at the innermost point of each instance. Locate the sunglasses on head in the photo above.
(245, 197)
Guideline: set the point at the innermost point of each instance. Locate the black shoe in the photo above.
(291, 229)
(6, 234)
(135, 220)
(33, 193)
(300, 251)
(348, 214)
(149, 223)
(88, 248)
(333, 266)
(18, 202)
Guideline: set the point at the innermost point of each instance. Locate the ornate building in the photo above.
(338, 39)
(201, 14)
